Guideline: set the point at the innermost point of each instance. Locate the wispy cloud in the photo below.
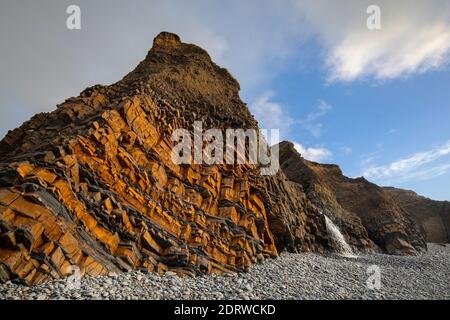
(311, 123)
(429, 173)
(322, 109)
(271, 114)
(392, 131)
(346, 150)
(317, 154)
(420, 165)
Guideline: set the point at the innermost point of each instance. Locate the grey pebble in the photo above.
(290, 276)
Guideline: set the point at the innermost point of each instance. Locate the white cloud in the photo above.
(316, 154)
(412, 167)
(414, 37)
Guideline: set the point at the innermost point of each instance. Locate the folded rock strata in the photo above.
(92, 184)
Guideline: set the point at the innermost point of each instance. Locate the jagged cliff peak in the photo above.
(184, 74)
(166, 40)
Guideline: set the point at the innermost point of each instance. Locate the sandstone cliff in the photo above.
(366, 214)
(432, 216)
(91, 185)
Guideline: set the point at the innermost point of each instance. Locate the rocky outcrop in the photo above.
(296, 223)
(92, 187)
(432, 216)
(92, 184)
(365, 213)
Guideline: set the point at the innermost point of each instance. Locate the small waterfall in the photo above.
(341, 246)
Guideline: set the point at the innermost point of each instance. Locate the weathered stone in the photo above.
(367, 215)
(92, 185)
(432, 216)
(105, 195)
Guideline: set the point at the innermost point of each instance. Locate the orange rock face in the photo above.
(115, 186)
(92, 184)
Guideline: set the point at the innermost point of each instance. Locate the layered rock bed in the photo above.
(291, 276)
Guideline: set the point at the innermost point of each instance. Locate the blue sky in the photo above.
(372, 125)
(375, 102)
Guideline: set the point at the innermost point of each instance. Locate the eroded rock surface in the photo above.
(296, 223)
(432, 216)
(92, 184)
(365, 213)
